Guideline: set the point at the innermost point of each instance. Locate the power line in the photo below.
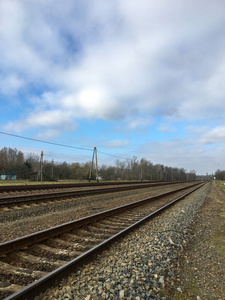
(113, 155)
(61, 145)
(40, 141)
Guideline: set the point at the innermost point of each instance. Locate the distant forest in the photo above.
(220, 174)
(14, 163)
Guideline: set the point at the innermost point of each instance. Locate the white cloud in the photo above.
(125, 62)
(11, 84)
(117, 143)
(54, 120)
(187, 154)
(92, 103)
(51, 118)
(167, 128)
(138, 124)
(215, 135)
(125, 56)
(48, 134)
(196, 130)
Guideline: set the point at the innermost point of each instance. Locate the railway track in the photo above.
(32, 187)
(30, 264)
(15, 200)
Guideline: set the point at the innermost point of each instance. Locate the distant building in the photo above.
(7, 177)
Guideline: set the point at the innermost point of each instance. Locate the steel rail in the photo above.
(39, 236)
(16, 188)
(32, 290)
(35, 198)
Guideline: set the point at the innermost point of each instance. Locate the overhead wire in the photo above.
(46, 142)
(61, 145)
(113, 155)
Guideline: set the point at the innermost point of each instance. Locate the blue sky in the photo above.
(132, 78)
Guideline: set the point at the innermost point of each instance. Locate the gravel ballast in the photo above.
(142, 265)
(28, 219)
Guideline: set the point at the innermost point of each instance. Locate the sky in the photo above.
(132, 78)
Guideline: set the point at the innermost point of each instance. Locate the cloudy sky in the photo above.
(132, 78)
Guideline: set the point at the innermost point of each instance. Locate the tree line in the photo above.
(14, 162)
(220, 174)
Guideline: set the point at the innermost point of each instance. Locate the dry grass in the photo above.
(27, 182)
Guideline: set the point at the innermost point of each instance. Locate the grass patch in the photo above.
(27, 182)
(203, 275)
(221, 184)
(218, 239)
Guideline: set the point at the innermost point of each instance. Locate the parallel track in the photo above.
(61, 249)
(43, 197)
(16, 188)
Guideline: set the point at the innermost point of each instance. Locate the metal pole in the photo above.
(96, 164)
(41, 163)
(52, 168)
(91, 167)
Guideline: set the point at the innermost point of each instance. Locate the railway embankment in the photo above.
(146, 264)
(179, 254)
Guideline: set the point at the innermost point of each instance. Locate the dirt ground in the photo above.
(201, 266)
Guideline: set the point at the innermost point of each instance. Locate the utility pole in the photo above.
(52, 168)
(141, 171)
(41, 164)
(96, 165)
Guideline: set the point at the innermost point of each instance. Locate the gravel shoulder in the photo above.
(202, 264)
